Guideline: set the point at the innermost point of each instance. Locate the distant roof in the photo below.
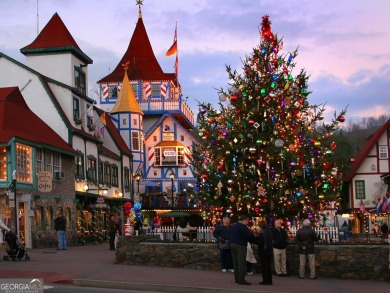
(55, 38)
(17, 120)
(140, 57)
(363, 153)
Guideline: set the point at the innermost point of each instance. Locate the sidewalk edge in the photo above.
(151, 287)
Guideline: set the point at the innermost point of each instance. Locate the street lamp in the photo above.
(12, 197)
(172, 176)
(138, 179)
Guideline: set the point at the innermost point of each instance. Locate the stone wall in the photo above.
(360, 262)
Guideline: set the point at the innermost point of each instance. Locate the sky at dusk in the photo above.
(343, 45)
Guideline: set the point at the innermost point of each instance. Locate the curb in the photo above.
(153, 287)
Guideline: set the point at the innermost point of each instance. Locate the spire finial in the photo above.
(139, 3)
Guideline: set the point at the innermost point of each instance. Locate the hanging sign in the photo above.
(100, 202)
(11, 203)
(45, 182)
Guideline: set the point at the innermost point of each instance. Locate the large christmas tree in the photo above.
(267, 151)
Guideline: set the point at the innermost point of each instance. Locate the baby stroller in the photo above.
(15, 250)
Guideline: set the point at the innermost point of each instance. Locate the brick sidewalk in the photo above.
(93, 265)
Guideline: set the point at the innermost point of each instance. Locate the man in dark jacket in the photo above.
(265, 252)
(305, 239)
(279, 244)
(60, 227)
(240, 235)
(222, 234)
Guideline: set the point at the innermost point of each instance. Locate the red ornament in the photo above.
(233, 98)
(341, 118)
(353, 160)
(333, 145)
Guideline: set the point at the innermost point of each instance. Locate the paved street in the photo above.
(93, 265)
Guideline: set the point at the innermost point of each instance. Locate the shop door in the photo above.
(22, 222)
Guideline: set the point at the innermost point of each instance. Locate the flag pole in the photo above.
(177, 59)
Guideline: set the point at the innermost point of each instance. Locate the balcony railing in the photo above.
(164, 200)
(174, 106)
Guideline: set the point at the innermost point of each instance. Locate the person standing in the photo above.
(265, 252)
(119, 231)
(305, 239)
(222, 234)
(240, 235)
(280, 241)
(60, 227)
(113, 228)
(250, 259)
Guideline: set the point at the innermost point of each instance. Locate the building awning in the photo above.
(169, 144)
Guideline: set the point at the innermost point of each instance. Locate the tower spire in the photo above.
(139, 3)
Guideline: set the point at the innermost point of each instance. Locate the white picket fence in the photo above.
(203, 234)
(327, 234)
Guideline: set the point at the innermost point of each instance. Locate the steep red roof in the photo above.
(55, 37)
(368, 145)
(17, 120)
(143, 64)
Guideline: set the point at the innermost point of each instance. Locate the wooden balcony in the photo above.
(177, 108)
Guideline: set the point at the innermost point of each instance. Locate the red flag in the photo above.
(103, 118)
(173, 49)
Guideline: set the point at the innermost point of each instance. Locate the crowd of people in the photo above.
(236, 242)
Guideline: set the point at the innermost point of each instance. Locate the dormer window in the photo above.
(156, 90)
(134, 87)
(383, 152)
(79, 80)
(113, 92)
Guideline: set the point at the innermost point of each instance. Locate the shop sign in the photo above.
(100, 202)
(11, 194)
(169, 152)
(168, 136)
(11, 203)
(45, 183)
